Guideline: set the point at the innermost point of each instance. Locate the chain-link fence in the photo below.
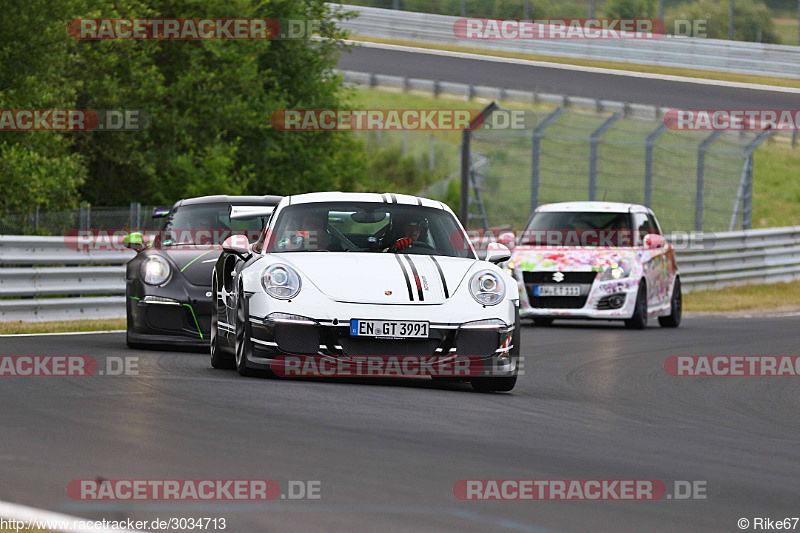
(698, 181)
(135, 216)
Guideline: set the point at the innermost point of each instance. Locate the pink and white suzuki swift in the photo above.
(595, 260)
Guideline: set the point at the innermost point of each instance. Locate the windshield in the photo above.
(205, 224)
(579, 228)
(368, 228)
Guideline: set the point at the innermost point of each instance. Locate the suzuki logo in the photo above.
(558, 277)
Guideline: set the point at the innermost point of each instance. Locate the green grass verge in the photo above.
(652, 69)
(767, 297)
(565, 157)
(787, 29)
(61, 326)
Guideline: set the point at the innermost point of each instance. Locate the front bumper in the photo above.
(180, 316)
(603, 300)
(496, 344)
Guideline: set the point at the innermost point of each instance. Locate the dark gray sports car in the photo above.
(168, 282)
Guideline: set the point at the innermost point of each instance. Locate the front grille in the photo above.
(368, 346)
(557, 302)
(296, 338)
(172, 317)
(477, 342)
(570, 278)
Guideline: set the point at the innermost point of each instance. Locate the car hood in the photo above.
(534, 258)
(196, 263)
(378, 278)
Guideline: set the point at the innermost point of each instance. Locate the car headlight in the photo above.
(280, 281)
(616, 271)
(487, 288)
(155, 270)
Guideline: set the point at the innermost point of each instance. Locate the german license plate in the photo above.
(389, 328)
(557, 290)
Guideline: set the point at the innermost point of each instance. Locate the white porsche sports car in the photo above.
(341, 276)
(599, 260)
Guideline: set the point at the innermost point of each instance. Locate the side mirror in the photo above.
(653, 240)
(134, 241)
(507, 239)
(237, 244)
(497, 253)
(160, 212)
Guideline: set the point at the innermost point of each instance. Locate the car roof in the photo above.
(233, 200)
(599, 207)
(386, 198)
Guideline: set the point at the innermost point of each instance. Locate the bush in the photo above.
(749, 17)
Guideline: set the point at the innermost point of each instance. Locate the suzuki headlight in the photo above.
(616, 271)
(280, 281)
(155, 270)
(487, 288)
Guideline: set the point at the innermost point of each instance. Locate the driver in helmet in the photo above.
(411, 232)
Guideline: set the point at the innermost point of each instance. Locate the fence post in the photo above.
(536, 153)
(594, 152)
(466, 160)
(648, 163)
(432, 153)
(36, 219)
(701, 179)
(404, 142)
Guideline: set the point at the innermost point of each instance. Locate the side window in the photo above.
(642, 227)
(653, 224)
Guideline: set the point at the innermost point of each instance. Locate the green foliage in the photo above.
(488, 9)
(628, 9)
(749, 18)
(210, 103)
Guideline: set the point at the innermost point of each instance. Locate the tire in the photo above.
(543, 321)
(129, 324)
(219, 359)
(244, 344)
(673, 319)
(639, 318)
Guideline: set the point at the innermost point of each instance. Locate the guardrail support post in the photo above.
(536, 153)
(701, 179)
(594, 150)
(648, 163)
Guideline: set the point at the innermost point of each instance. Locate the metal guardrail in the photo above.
(354, 78)
(29, 292)
(706, 54)
(80, 284)
(740, 257)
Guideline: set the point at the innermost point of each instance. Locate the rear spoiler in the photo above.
(249, 212)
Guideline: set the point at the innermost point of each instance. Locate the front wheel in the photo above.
(673, 319)
(244, 344)
(639, 318)
(219, 359)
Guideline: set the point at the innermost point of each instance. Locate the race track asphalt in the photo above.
(595, 403)
(558, 81)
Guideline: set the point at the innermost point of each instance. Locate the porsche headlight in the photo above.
(280, 281)
(487, 288)
(155, 270)
(616, 271)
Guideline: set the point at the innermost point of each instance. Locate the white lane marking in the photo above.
(594, 70)
(55, 521)
(64, 333)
